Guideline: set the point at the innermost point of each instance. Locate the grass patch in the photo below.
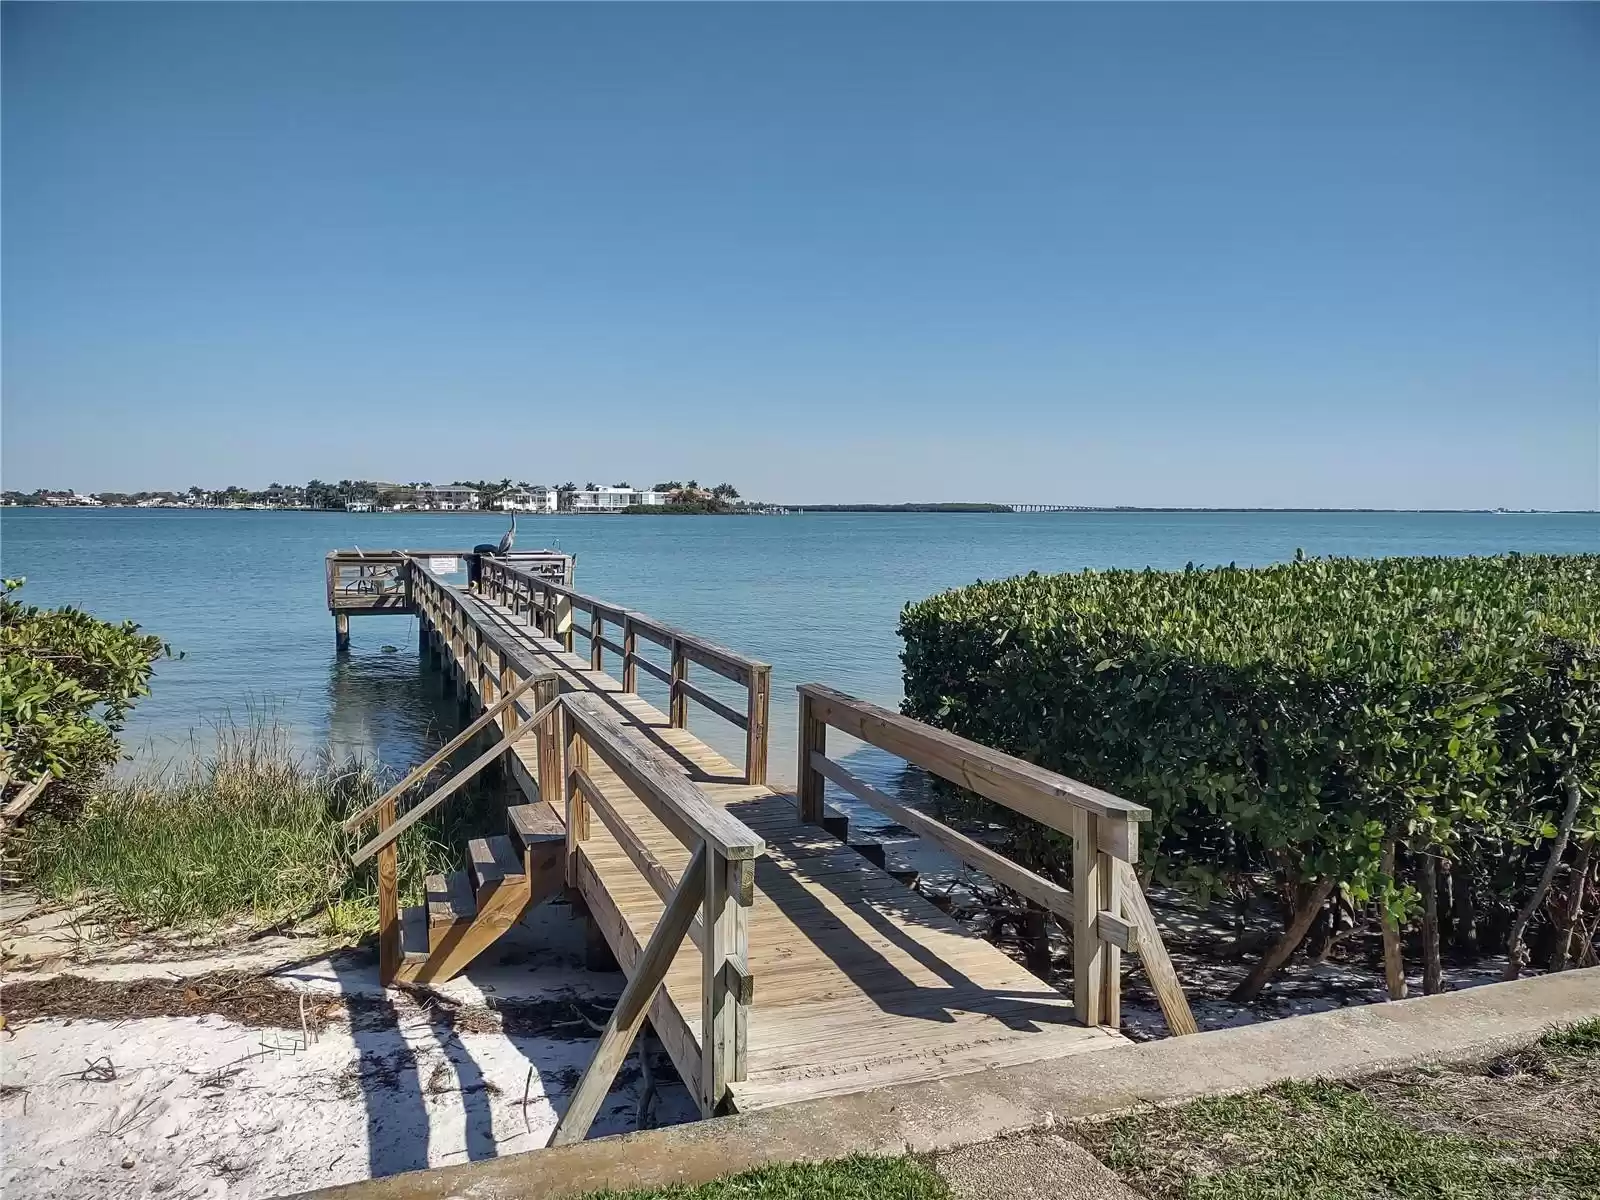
(1572, 1041)
(1524, 1127)
(858, 1178)
(250, 833)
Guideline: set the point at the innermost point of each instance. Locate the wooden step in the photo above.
(536, 825)
(873, 852)
(414, 934)
(495, 861)
(450, 903)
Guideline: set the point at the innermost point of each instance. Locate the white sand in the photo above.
(201, 1106)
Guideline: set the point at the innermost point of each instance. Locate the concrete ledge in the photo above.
(938, 1115)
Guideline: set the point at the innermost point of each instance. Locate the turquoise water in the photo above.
(241, 593)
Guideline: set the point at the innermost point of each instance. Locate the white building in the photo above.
(613, 499)
(529, 499)
(447, 499)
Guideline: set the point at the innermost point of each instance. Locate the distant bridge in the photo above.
(1031, 508)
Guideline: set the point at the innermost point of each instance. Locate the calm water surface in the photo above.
(818, 596)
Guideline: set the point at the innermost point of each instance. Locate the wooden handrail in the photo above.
(508, 651)
(461, 739)
(511, 584)
(679, 804)
(1043, 892)
(721, 875)
(1034, 792)
(1105, 908)
(392, 832)
(706, 700)
(644, 860)
(730, 664)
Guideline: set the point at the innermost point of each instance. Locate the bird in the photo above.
(508, 537)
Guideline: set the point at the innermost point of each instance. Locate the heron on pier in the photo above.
(504, 546)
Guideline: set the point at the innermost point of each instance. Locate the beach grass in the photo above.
(248, 833)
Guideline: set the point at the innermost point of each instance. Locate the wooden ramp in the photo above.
(859, 982)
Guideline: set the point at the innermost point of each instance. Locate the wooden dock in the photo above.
(808, 969)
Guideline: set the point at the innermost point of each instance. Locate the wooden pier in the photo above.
(775, 962)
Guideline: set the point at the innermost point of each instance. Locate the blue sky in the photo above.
(1265, 255)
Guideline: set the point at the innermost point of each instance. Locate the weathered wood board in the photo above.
(858, 981)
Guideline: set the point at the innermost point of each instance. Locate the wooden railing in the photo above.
(550, 606)
(709, 903)
(1106, 908)
(365, 580)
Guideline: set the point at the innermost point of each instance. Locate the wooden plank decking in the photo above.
(859, 981)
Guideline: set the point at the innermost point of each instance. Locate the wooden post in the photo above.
(1117, 840)
(549, 745)
(576, 758)
(563, 623)
(630, 651)
(755, 737)
(678, 705)
(1089, 893)
(508, 719)
(596, 651)
(422, 640)
(488, 677)
(341, 631)
(724, 999)
(388, 901)
(813, 737)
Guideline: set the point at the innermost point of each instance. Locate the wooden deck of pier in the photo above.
(776, 962)
(859, 981)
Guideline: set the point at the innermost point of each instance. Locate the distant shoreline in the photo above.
(823, 509)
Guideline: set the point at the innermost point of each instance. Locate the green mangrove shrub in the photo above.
(1294, 723)
(67, 682)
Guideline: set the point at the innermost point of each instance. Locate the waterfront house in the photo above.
(613, 499)
(527, 499)
(285, 497)
(68, 500)
(447, 499)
